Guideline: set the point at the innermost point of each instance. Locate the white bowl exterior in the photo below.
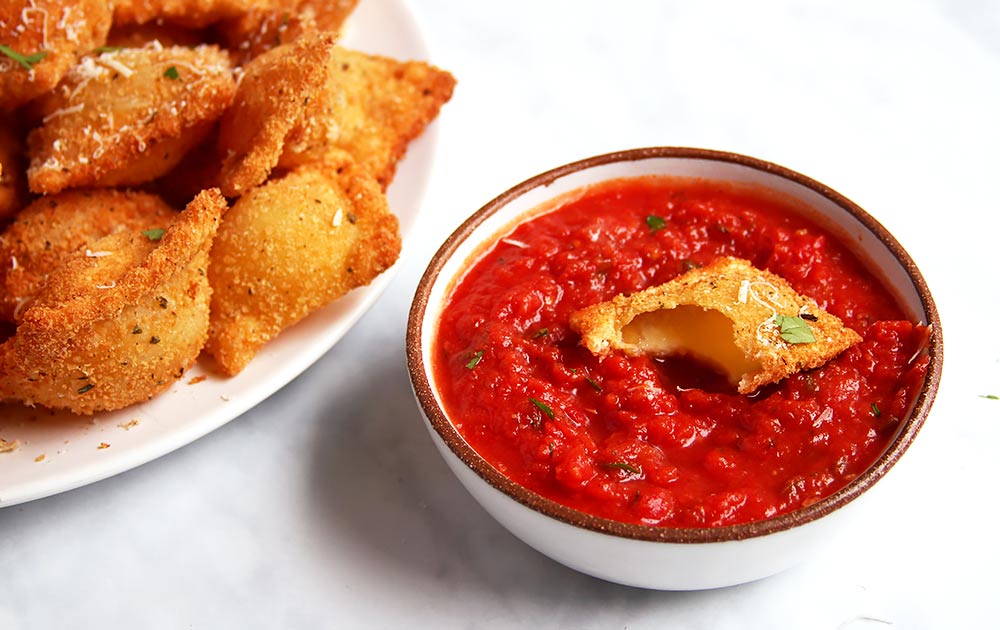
(644, 563)
(647, 564)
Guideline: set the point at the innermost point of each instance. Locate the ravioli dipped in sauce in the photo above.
(748, 323)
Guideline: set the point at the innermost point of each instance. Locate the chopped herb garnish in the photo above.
(552, 448)
(476, 358)
(876, 410)
(543, 407)
(154, 234)
(655, 223)
(794, 329)
(108, 49)
(809, 317)
(86, 388)
(594, 384)
(990, 396)
(154, 340)
(541, 332)
(162, 301)
(171, 73)
(627, 467)
(136, 330)
(27, 61)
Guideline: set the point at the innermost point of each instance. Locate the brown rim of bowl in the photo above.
(444, 428)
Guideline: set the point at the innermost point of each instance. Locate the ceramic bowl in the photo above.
(644, 556)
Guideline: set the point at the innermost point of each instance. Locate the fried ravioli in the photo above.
(290, 247)
(372, 107)
(272, 97)
(189, 13)
(42, 40)
(125, 117)
(51, 228)
(749, 323)
(112, 330)
(258, 31)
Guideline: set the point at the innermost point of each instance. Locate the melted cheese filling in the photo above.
(704, 334)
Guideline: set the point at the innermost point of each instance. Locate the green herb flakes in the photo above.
(876, 410)
(794, 329)
(108, 49)
(154, 234)
(86, 388)
(990, 396)
(655, 223)
(594, 384)
(171, 73)
(542, 332)
(476, 358)
(543, 407)
(627, 467)
(26, 61)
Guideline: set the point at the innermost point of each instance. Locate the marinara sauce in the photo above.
(666, 441)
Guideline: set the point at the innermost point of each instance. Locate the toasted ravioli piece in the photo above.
(43, 40)
(189, 13)
(125, 117)
(272, 97)
(51, 228)
(747, 322)
(259, 30)
(291, 246)
(371, 107)
(113, 330)
(13, 184)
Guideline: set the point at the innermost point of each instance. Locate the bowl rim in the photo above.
(439, 421)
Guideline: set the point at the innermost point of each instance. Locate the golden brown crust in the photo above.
(271, 99)
(62, 29)
(259, 30)
(372, 107)
(730, 292)
(189, 13)
(128, 116)
(51, 228)
(111, 330)
(290, 247)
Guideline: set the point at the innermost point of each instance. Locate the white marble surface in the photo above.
(328, 506)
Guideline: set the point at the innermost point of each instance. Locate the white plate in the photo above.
(60, 451)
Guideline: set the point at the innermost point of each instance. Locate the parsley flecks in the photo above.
(876, 410)
(655, 223)
(794, 329)
(108, 49)
(27, 61)
(594, 384)
(543, 407)
(86, 388)
(476, 358)
(154, 234)
(990, 396)
(627, 467)
(171, 73)
(542, 332)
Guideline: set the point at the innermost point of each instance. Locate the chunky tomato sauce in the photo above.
(666, 441)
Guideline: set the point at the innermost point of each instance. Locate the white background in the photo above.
(328, 505)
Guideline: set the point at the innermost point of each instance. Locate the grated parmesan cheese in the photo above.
(110, 62)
